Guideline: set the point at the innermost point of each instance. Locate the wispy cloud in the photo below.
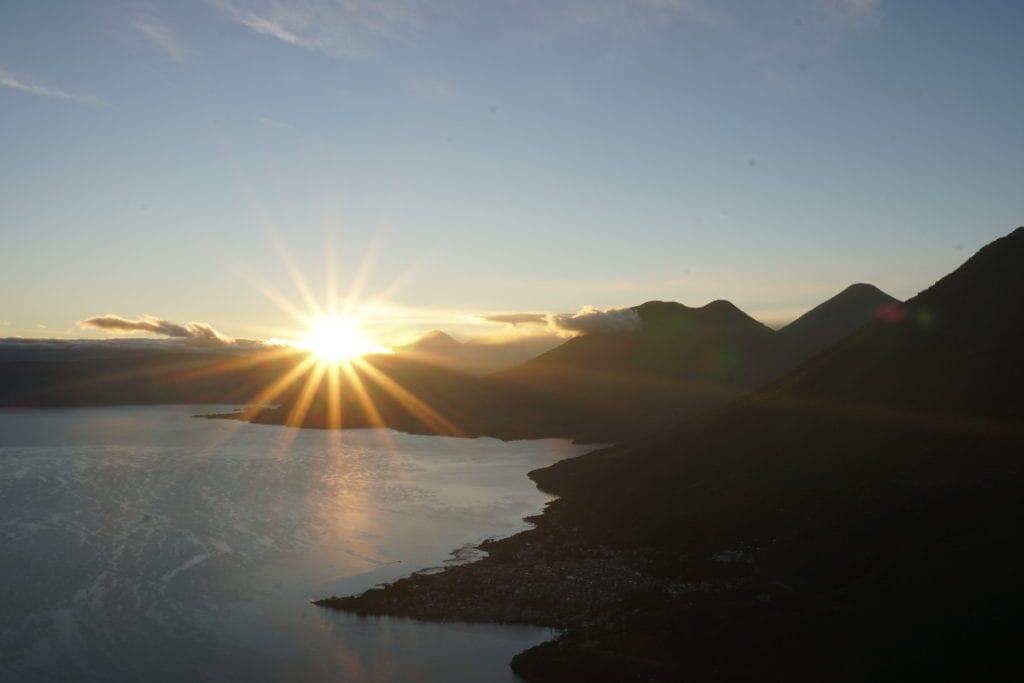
(280, 125)
(516, 318)
(590, 320)
(360, 28)
(158, 34)
(340, 28)
(9, 80)
(585, 321)
(193, 330)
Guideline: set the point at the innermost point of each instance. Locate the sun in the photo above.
(328, 373)
(337, 340)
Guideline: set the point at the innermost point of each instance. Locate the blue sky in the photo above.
(158, 158)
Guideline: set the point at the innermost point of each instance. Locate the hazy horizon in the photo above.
(150, 328)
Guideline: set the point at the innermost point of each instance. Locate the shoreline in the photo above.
(552, 576)
(253, 415)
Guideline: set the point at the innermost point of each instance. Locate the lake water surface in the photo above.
(140, 543)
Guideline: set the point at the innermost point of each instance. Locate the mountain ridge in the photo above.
(834, 318)
(876, 464)
(681, 361)
(850, 521)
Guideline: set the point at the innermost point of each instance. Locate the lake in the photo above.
(141, 543)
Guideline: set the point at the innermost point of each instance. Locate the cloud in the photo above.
(359, 28)
(273, 123)
(585, 321)
(200, 332)
(516, 318)
(362, 28)
(9, 80)
(339, 28)
(158, 34)
(590, 320)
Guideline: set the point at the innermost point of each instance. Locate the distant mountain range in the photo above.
(878, 488)
(597, 387)
(837, 500)
(828, 322)
(853, 520)
(476, 356)
(602, 386)
(122, 372)
(681, 362)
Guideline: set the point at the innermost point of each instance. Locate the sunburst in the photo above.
(340, 370)
(338, 339)
(322, 372)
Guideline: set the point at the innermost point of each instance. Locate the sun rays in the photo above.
(337, 379)
(326, 371)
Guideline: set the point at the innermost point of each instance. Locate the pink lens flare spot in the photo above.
(892, 313)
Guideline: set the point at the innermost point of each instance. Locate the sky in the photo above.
(187, 160)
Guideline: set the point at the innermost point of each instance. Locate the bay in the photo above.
(142, 543)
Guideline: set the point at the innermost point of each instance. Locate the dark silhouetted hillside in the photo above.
(603, 386)
(677, 363)
(880, 489)
(680, 362)
(856, 520)
(597, 387)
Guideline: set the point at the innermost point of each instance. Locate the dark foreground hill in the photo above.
(856, 520)
(678, 362)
